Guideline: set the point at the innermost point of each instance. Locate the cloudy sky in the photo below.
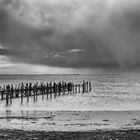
(69, 36)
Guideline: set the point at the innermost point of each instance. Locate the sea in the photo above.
(110, 92)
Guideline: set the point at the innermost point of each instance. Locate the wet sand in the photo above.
(69, 120)
(69, 125)
(92, 135)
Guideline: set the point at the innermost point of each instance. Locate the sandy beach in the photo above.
(69, 125)
(92, 135)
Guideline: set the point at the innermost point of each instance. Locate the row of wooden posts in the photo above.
(50, 89)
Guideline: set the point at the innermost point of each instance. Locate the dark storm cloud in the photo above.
(72, 33)
(129, 18)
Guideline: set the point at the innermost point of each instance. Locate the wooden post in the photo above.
(73, 88)
(55, 91)
(22, 91)
(2, 93)
(43, 90)
(7, 94)
(87, 86)
(30, 89)
(16, 91)
(83, 86)
(56, 88)
(51, 89)
(79, 88)
(68, 88)
(12, 90)
(76, 88)
(34, 90)
(27, 92)
(59, 87)
(47, 90)
(10, 93)
(19, 90)
(90, 86)
(63, 87)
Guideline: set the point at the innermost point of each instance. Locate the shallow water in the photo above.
(110, 92)
(69, 120)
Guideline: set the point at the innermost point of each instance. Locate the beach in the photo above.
(92, 135)
(69, 120)
(110, 111)
(70, 125)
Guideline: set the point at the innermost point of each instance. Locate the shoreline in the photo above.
(6, 134)
(69, 120)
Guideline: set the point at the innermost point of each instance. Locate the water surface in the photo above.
(112, 92)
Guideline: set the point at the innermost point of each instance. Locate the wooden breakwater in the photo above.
(48, 89)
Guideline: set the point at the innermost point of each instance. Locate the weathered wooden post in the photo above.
(43, 90)
(34, 90)
(83, 86)
(22, 91)
(87, 87)
(12, 90)
(2, 93)
(68, 88)
(76, 88)
(56, 88)
(63, 86)
(79, 88)
(59, 88)
(47, 90)
(10, 93)
(16, 91)
(55, 91)
(7, 94)
(50, 89)
(30, 89)
(90, 86)
(73, 89)
(26, 91)
(19, 90)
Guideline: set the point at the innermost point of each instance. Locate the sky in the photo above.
(69, 36)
